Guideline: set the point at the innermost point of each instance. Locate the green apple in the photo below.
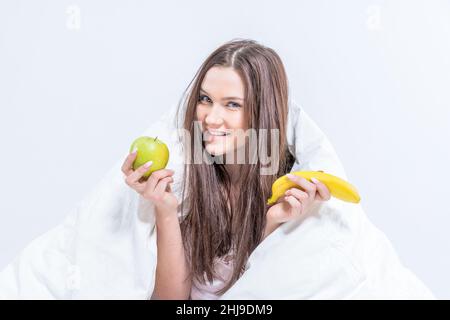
(150, 149)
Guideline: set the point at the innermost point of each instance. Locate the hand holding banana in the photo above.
(294, 194)
(338, 188)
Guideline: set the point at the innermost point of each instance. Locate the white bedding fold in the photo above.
(106, 247)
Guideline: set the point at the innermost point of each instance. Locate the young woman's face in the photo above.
(220, 109)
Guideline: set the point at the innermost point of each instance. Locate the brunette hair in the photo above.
(217, 220)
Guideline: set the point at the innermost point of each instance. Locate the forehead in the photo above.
(223, 81)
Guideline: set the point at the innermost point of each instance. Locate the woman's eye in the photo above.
(206, 99)
(234, 105)
(203, 98)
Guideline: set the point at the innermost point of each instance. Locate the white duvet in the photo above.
(106, 246)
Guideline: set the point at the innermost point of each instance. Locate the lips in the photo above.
(210, 135)
(217, 133)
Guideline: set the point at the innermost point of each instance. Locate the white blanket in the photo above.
(106, 247)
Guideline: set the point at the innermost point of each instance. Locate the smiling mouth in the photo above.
(209, 136)
(216, 134)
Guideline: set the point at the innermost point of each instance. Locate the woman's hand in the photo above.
(296, 202)
(157, 187)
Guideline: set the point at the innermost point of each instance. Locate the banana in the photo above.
(338, 188)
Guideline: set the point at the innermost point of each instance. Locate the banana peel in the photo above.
(338, 187)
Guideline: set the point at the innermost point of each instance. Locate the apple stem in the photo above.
(156, 138)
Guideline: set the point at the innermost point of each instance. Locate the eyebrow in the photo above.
(225, 98)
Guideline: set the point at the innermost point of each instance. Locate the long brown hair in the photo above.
(211, 228)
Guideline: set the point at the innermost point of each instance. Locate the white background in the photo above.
(80, 80)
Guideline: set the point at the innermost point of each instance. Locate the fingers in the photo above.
(282, 211)
(324, 193)
(299, 196)
(158, 185)
(128, 163)
(308, 187)
(155, 177)
(295, 204)
(162, 186)
(134, 177)
(297, 193)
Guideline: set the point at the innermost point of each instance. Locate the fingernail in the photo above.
(314, 180)
(290, 176)
(134, 150)
(148, 164)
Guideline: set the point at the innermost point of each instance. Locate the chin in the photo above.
(212, 150)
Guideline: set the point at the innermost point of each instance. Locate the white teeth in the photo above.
(218, 133)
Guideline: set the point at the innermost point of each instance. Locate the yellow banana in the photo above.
(338, 188)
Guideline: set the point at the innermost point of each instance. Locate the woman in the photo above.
(242, 85)
(107, 248)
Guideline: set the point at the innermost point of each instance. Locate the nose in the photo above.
(214, 116)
